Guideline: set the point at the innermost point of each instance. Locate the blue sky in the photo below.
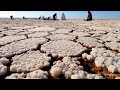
(68, 14)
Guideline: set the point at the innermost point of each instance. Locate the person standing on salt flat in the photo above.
(63, 17)
(24, 17)
(55, 16)
(89, 18)
(11, 17)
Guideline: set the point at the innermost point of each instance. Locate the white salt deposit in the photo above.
(30, 61)
(63, 48)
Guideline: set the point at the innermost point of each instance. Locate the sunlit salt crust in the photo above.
(30, 61)
(89, 42)
(70, 68)
(3, 69)
(16, 76)
(113, 45)
(12, 38)
(12, 32)
(21, 46)
(23, 27)
(63, 48)
(80, 34)
(4, 61)
(62, 31)
(109, 37)
(38, 34)
(67, 67)
(61, 37)
(106, 58)
(42, 29)
(37, 74)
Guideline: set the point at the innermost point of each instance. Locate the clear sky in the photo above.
(68, 14)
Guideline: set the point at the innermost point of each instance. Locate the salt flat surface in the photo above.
(42, 49)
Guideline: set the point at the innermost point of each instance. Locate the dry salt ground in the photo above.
(62, 49)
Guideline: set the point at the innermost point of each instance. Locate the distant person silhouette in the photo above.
(11, 17)
(39, 17)
(89, 17)
(24, 17)
(55, 16)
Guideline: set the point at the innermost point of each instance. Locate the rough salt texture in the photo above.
(61, 37)
(89, 42)
(4, 61)
(12, 32)
(100, 28)
(62, 31)
(42, 29)
(3, 70)
(99, 32)
(1, 35)
(80, 34)
(16, 76)
(106, 58)
(21, 46)
(37, 74)
(38, 34)
(63, 48)
(113, 45)
(23, 27)
(70, 68)
(9, 39)
(25, 32)
(30, 61)
(109, 37)
(67, 67)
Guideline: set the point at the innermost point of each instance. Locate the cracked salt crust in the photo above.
(37, 74)
(61, 31)
(21, 46)
(61, 37)
(97, 32)
(30, 61)
(109, 37)
(100, 28)
(42, 29)
(70, 68)
(3, 69)
(63, 48)
(113, 45)
(80, 34)
(12, 32)
(106, 58)
(16, 76)
(23, 27)
(67, 67)
(1, 35)
(4, 61)
(38, 34)
(89, 42)
(12, 38)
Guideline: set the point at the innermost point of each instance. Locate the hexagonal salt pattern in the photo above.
(63, 48)
(9, 39)
(106, 58)
(62, 31)
(38, 34)
(113, 45)
(89, 42)
(61, 37)
(42, 29)
(21, 46)
(30, 61)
